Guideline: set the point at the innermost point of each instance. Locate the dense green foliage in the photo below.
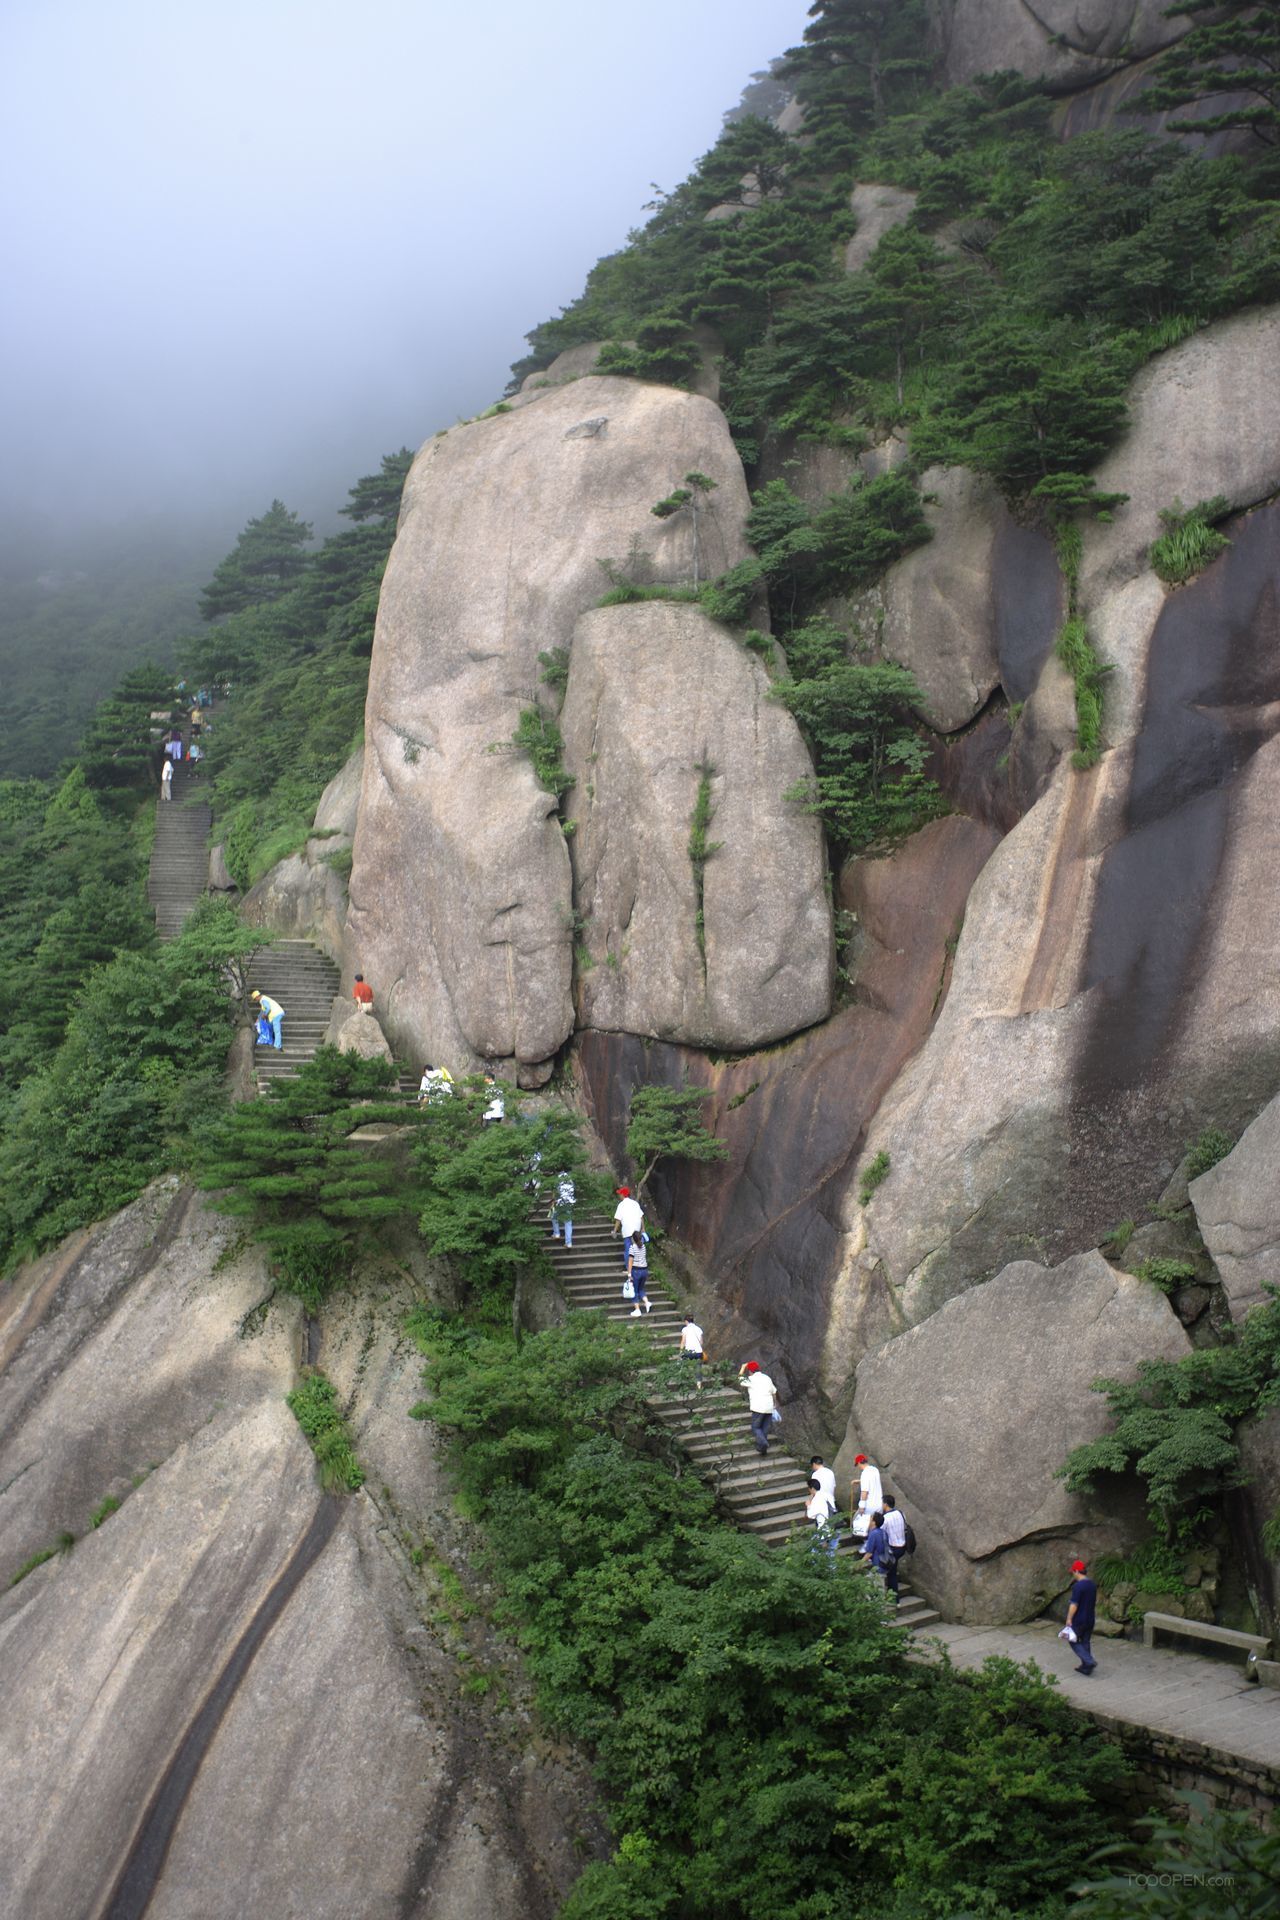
(265, 562)
(1217, 1866)
(298, 660)
(478, 1184)
(1174, 1425)
(767, 1747)
(869, 786)
(314, 1405)
(666, 1123)
(137, 1072)
(288, 1164)
(538, 736)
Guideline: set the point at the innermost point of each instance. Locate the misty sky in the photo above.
(251, 245)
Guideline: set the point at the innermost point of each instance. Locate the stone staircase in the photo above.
(763, 1495)
(304, 981)
(179, 872)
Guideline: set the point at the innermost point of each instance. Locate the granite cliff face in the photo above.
(235, 1691)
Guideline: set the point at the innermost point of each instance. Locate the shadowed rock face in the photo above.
(460, 888)
(1119, 973)
(658, 696)
(767, 1223)
(970, 1415)
(1237, 1207)
(234, 1693)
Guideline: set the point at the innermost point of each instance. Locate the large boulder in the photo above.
(661, 698)
(460, 890)
(971, 1415)
(351, 1031)
(1237, 1207)
(232, 1673)
(1204, 421)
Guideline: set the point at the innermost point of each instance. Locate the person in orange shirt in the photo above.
(362, 994)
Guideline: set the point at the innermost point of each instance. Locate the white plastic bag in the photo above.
(628, 1288)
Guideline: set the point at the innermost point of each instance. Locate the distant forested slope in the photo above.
(75, 614)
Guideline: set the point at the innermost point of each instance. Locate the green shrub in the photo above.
(870, 789)
(1166, 1273)
(314, 1405)
(104, 1510)
(1206, 1150)
(701, 849)
(539, 737)
(873, 1177)
(666, 1124)
(1075, 651)
(1218, 1866)
(1189, 541)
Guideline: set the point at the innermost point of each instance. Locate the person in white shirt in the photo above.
(497, 1107)
(761, 1398)
(895, 1532)
(562, 1208)
(870, 1498)
(822, 1473)
(691, 1344)
(628, 1218)
(820, 1508)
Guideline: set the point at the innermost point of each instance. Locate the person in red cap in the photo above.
(867, 1497)
(1081, 1613)
(762, 1398)
(628, 1219)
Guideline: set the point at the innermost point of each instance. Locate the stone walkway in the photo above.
(1175, 1695)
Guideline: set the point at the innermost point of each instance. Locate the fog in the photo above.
(251, 245)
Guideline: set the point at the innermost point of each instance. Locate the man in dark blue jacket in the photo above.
(1081, 1612)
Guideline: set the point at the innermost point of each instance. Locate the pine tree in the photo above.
(1238, 54)
(667, 1124)
(265, 562)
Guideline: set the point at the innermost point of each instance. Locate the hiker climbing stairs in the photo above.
(763, 1495)
(179, 872)
(304, 981)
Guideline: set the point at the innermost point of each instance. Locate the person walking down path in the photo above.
(762, 1398)
(628, 1218)
(1081, 1613)
(879, 1553)
(274, 1014)
(166, 779)
(638, 1273)
(691, 1345)
(562, 1208)
(820, 1508)
(362, 994)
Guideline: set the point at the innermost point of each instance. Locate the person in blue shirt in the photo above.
(1081, 1614)
(878, 1551)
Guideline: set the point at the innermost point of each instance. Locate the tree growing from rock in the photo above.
(1235, 50)
(667, 1124)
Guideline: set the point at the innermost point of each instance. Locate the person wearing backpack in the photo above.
(901, 1540)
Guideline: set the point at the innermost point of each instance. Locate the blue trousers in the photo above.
(276, 1038)
(1083, 1651)
(761, 1428)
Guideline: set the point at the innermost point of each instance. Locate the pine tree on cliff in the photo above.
(1238, 54)
(861, 61)
(265, 562)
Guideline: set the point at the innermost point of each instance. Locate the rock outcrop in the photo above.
(304, 897)
(1237, 1207)
(878, 208)
(461, 890)
(981, 603)
(232, 1672)
(1071, 44)
(970, 1415)
(732, 953)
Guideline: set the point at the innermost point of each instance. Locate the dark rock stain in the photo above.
(131, 1895)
